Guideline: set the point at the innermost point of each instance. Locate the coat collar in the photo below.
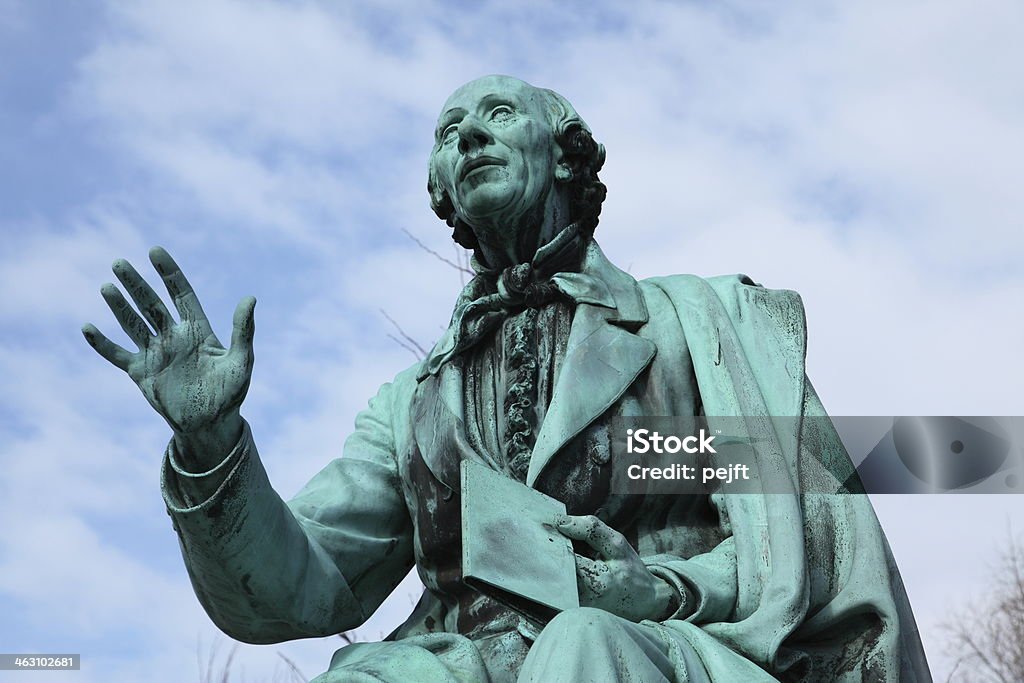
(603, 357)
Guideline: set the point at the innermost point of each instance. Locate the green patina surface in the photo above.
(548, 343)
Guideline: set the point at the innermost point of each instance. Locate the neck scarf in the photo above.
(492, 296)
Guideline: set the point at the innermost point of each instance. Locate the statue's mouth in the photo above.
(479, 162)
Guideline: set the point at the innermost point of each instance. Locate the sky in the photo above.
(867, 155)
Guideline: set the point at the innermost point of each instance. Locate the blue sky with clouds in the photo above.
(867, 155)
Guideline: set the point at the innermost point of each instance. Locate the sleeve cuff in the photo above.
(683, 604)
(707, 582)
(186, 491)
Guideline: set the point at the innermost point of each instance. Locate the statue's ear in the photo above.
(440, 202)
(564, 162)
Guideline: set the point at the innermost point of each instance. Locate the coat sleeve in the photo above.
(268, 571)
(706, 583)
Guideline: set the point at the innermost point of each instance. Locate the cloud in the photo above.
(263, 113)
(52, 272)
(863, 154)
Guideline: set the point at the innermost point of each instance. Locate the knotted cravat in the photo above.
(492, 296)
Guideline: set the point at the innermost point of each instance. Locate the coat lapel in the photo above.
(603, 357)
(439, 425)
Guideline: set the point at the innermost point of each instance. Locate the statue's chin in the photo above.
(492, 205)
(498, 212)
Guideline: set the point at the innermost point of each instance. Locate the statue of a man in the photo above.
(547, 344)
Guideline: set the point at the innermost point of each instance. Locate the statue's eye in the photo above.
(501, 113)
(449, 133)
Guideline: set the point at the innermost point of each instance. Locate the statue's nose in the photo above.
(473, 134)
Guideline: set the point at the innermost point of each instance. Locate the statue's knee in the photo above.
(573, 642)
(582, 621)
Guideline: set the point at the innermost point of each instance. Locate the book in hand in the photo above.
(511, 551)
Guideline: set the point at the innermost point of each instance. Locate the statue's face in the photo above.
(495, 151)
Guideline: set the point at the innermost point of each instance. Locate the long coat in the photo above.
(801, 585)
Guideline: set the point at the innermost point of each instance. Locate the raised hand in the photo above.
(619, 582)
(181, 367)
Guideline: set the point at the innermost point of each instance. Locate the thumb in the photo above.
(243, 326)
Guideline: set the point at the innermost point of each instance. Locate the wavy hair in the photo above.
(583, 155)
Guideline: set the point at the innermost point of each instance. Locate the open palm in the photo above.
(183, 370)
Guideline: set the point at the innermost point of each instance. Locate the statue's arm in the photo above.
(651, 582)
(267, 571)
(264, 571)
(706, 583)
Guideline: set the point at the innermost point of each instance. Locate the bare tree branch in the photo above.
(294, 669)
(411, 344)
(462, 259)
(956, 665)
(226, 669)
(453, 264)
(460, 264)
(404, 346)
(990, 632)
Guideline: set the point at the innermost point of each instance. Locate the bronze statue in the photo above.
(548, 343)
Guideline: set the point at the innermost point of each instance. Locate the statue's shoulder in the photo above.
(404, 384)
(756, 313)
(394, 397)
(695, 286)
(737, 293)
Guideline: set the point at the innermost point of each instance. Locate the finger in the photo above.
(243, 325)
(608, 542)
(150, 305)
(130, 321)
(591, 575)
(185, 299)
(106, 348)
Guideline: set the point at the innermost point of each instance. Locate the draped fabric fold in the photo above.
(807, 566)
